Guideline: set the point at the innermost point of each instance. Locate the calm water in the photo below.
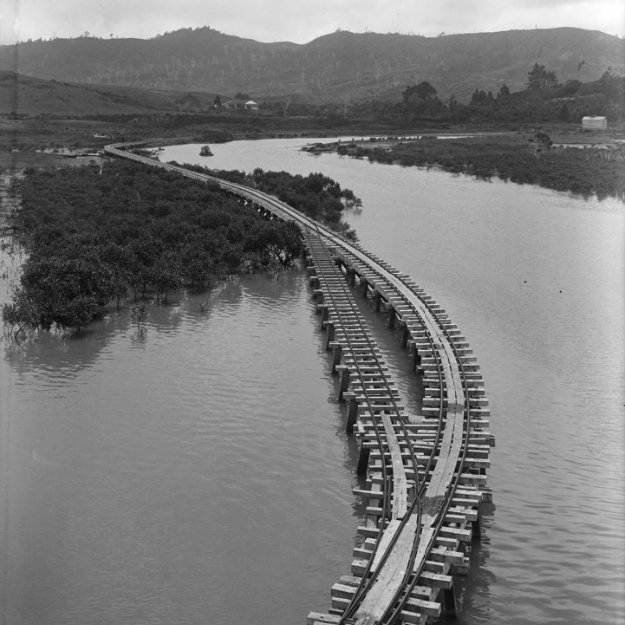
(200, 475)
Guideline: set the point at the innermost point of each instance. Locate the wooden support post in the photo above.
(330, 329)
(351, 276)
(378, 302)
(449, 602)
(324, 314)
(336, 360)
(416, 357)
(405, 337)
(476, 529)
(365, 289)
(352, 415)
(392, 319)
(344, 383)
(363, 460)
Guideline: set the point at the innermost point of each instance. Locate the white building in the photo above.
(594, 123)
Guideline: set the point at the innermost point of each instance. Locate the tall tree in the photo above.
(539, 78)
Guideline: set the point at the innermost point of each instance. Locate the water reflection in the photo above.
(163, 473)
(63, 355)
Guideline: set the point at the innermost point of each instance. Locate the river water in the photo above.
(200, 474)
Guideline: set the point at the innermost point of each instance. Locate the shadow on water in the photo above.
(64, 354)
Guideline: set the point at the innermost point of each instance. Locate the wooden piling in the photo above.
(476, 528)
(344, 383)
(449, 605)
(392, 319)
(336, 360)
(330, 330)
(352, 416)
(323, 309)
(350, 274)
(405, 336)
(363, 461)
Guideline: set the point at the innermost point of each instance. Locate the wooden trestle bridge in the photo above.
(425, 476)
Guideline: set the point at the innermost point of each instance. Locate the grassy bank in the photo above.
(582, 164)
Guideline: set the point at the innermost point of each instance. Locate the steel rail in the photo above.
(366, 581)
(412, 576)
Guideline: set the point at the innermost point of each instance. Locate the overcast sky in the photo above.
(299, 21)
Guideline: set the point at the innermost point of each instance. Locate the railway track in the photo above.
(424, 503)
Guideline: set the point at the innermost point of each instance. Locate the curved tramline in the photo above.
(413, 540)
(374, 386)
(424, 503)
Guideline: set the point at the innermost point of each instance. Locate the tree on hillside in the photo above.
(480, 98)
(564, 114)
(539, 78)
(423, 90)
(504, 91)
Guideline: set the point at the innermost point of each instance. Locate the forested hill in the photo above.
(340, 66)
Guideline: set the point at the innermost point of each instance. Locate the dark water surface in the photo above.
(200, 475)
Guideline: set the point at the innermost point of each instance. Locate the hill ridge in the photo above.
(338, 66)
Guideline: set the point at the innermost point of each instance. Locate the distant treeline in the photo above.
(99, 235)
(544, 100)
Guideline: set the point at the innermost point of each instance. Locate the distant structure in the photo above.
(594, 122)
(237, 104)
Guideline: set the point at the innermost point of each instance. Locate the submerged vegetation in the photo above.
(96, 235)
(315, 195)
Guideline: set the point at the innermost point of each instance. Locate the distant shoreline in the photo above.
(479, 150)
(583, 164)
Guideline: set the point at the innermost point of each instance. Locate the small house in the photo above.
(594, 122)
(250, 105)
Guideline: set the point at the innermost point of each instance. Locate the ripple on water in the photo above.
(198, 459)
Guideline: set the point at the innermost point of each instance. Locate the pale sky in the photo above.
(299, 21)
